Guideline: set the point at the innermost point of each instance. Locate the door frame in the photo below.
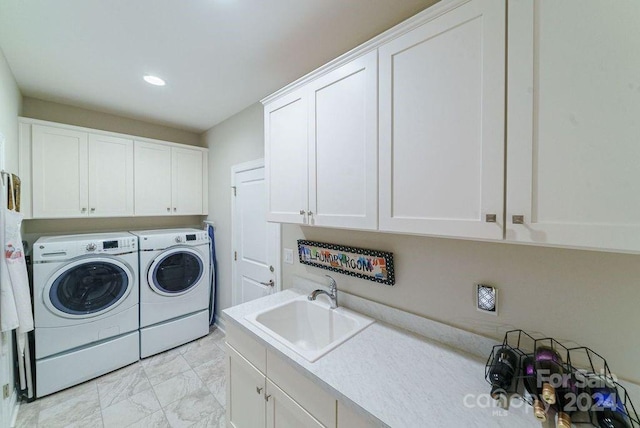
(235, 169)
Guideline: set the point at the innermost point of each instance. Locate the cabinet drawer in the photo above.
(310, 396)
(254, 352)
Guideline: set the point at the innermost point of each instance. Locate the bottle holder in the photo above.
(580, 381)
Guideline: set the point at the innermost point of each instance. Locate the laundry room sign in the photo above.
(359, 262)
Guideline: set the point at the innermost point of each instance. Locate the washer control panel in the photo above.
(55, 248)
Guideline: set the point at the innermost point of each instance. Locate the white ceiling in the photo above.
(217, 56)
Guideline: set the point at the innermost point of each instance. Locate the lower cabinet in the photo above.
(263, 390)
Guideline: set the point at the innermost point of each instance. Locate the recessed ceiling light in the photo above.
(154, 80)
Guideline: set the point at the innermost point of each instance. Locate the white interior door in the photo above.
(256, 243)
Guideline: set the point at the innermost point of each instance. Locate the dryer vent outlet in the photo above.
(487, 299)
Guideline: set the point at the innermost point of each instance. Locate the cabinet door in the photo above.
(187, 177)
(283, 412)
(348, 418)
(343, 146)
(285, 127)
(152, 173)
(442, 89)
(572, 131)
(59, 165)
(110, 176)
(245, 393)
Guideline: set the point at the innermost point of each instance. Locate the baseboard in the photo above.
(15, 406)
(219, 324)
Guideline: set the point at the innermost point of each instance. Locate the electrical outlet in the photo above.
(487, 299)
(288, 256)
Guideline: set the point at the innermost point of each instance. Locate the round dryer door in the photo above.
(88, 287)
(176, 271)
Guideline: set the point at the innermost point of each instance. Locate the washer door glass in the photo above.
(89, 288)
(176, 272)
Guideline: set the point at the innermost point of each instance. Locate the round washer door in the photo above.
(88, 287)
(176, 271)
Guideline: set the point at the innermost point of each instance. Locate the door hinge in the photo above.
(234, 190)
(235, 255)
(5, 391)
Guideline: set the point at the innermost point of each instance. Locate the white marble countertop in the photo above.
(396, 378)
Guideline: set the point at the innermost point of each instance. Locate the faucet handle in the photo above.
(332, 283)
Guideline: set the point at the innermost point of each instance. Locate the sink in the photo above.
(311, 329)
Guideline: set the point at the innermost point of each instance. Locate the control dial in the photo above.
(91, 247)
(178, 239)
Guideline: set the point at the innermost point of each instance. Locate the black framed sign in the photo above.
(363, 263)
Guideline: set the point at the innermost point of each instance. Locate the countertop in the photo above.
(396, 378)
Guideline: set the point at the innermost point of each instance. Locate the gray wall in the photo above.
(236, 140)
(55, 112)
(10, 100)
(589, 297)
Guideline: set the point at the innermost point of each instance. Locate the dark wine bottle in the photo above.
(503, 369)
(608, 408)
(530, 380)
(548, 363)
(567, 402)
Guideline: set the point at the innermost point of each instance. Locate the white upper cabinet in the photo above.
(321, 150)
(343, 146)
(187, 181)
(76, 174)
(286, 139)
(110, 176)
(169, 180)
(67, 172)
(153, 179)
(442, 89)
(573, 170)
(60, 171)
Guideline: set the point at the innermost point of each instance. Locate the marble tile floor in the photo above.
(183, 387)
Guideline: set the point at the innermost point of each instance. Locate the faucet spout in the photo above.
(333, 294)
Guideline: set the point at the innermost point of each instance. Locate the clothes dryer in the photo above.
(85, 299)
(174, 288)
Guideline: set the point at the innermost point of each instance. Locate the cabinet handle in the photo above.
(491, 218)
(83, 210)
(168, 210)
(302, 212)
(266, 397)
(517, 219)
(175, 209)
(310, 213)
(259, 390)
(93, 210)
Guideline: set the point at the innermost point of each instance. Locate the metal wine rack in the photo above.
(578, 365)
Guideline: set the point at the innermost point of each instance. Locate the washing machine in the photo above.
(85, 302)
(174, 288)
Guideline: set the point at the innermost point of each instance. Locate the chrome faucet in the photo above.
(333, 295)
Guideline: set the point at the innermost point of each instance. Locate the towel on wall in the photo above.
(21, 313)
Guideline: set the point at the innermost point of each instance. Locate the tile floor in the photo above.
(183, 387)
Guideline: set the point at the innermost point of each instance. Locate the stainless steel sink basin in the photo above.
(309, 328)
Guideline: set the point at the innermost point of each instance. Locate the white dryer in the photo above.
(174, 288)
(85, 300)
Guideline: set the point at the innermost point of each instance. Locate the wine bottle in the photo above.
(567, 402)
(548, 363)
(503, 368)
(608, 408)
(530, 380)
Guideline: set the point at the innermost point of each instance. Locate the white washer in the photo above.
(85, 301)
(174, 288)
